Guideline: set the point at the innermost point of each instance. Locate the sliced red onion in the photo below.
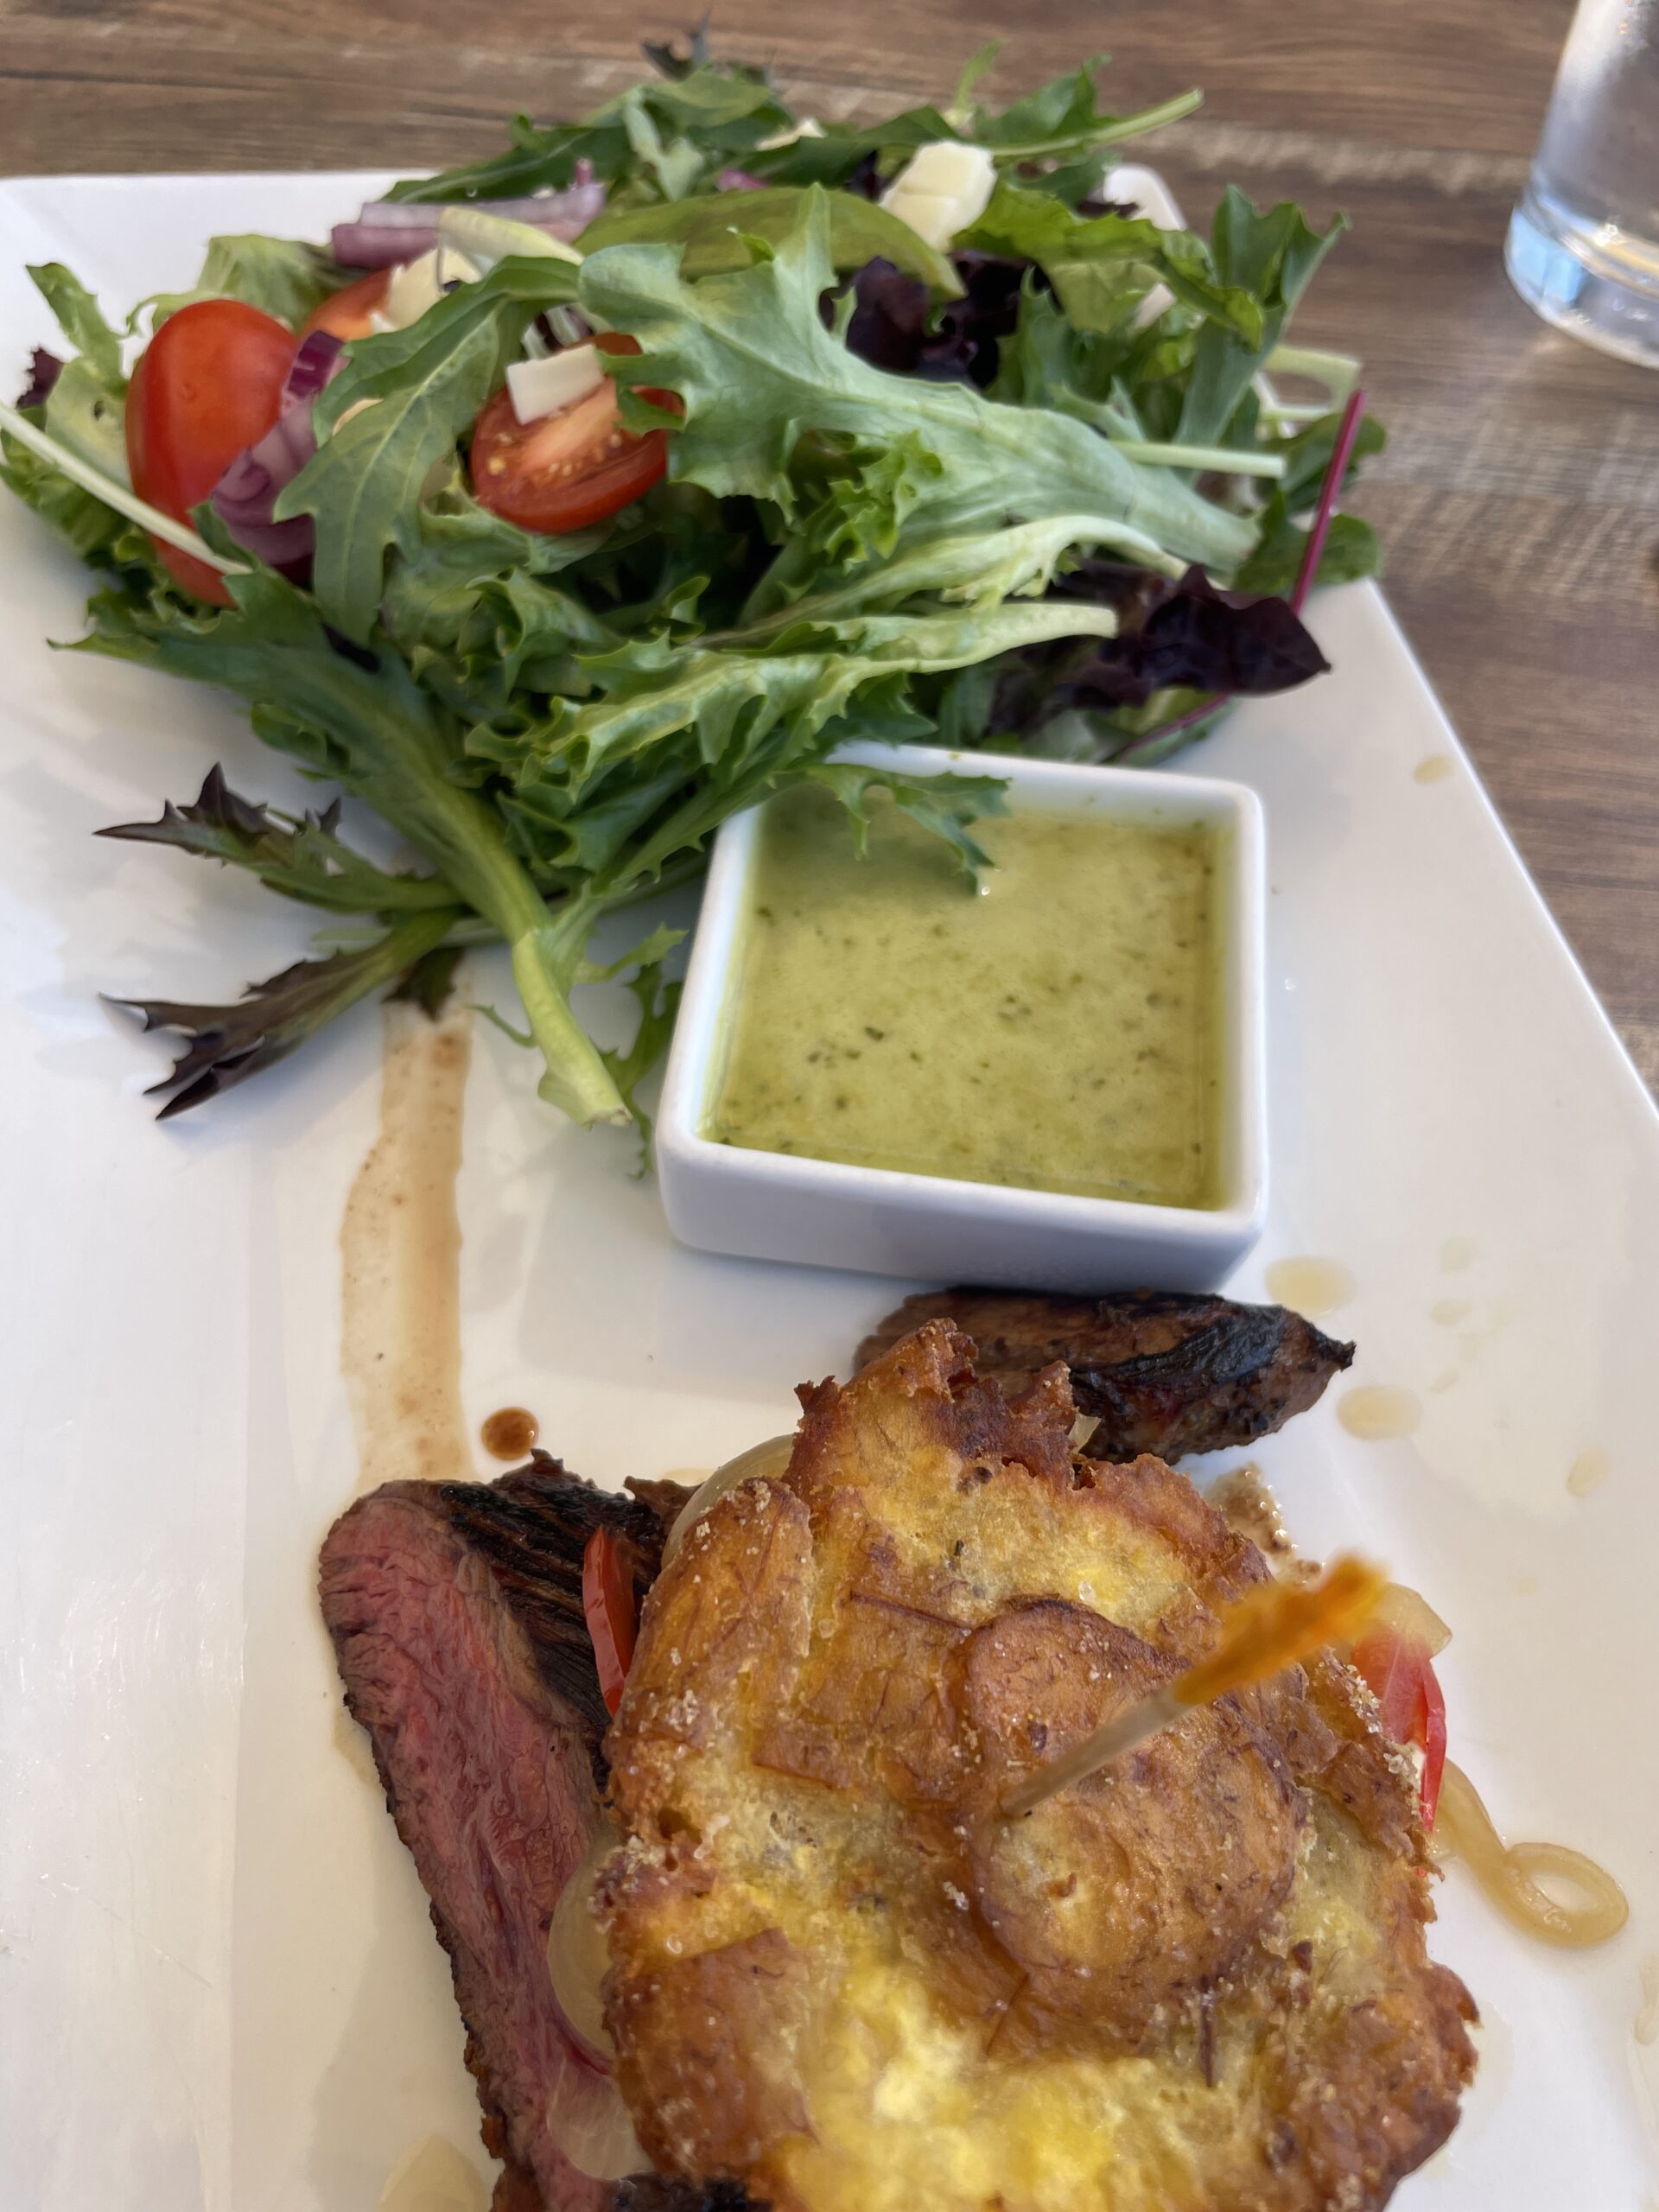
(246, 493)
(391, 231)
(739, 181)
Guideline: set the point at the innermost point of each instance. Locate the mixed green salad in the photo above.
(567, 502)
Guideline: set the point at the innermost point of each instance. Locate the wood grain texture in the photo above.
(1519, 496)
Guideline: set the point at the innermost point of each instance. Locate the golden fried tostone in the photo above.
(1196, 1980)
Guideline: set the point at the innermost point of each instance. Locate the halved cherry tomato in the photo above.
(349, 313)
(607, 1602)
(567, 470)
(1401, 1675)
(209, 383)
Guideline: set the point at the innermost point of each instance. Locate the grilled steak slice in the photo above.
(1162, 1372)
(455, 1610)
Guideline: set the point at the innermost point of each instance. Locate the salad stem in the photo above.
(118, 496)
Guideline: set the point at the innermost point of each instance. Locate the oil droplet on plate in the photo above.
(1249, 1509)
(1456, 1254)
(1588, 1472)
(1310, 1286)
(1448, 1312)
(1378, 1410)
(1435, 769)
(1645, 2027)
(509, 1431)
(1444, 1380)
(1526, 1586)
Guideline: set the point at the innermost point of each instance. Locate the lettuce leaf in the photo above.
(360, 717)
(1103, 266)
(365, 482)
(756, 369)
(284, 277)
(1271, 255)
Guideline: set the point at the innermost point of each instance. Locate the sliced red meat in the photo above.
(455, 1610)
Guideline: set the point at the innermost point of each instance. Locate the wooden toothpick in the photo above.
(1265, 1632)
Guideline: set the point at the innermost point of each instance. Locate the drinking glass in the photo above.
(1583, 247)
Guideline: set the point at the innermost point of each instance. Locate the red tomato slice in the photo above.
(348, 313)
(607, 1602)
(569, 469)
(1400, 1676)
(209, 383)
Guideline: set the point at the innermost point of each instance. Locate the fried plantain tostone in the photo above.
(1196, 1980)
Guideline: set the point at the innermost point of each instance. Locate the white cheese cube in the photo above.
(414, 286)
(942, 189)
(543, 387)
(932, 217)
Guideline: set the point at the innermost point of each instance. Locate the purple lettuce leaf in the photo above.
(44, 370)
(1188, 634)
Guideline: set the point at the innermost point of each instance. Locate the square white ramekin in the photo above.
(768, 1205)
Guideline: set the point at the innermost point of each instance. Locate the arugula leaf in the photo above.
(364, 484)
(845, 148)
(302, 857)
(1103, 266)
(1350, 551)
(1061, 124)
(1063, 119)
(1307, 456)
(227, 1044)
(80, 319)
(755, 368)
(650, 139)
(1271, 255)
(284, 277)
(713, 228)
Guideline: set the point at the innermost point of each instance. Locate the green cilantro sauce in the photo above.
(1058, 1030)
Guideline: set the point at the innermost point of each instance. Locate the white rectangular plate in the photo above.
(218, 1985)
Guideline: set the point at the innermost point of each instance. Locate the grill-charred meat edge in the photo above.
(526, 1533)
(531, 1529)
(1162, 1372)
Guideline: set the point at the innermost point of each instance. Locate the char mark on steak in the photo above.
(455, 1610)
(531, 1529)
(1161, 1371)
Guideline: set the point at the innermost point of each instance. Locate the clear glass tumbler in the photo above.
(1583, 246)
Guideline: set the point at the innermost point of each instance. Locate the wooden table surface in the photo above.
(1519, 495)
